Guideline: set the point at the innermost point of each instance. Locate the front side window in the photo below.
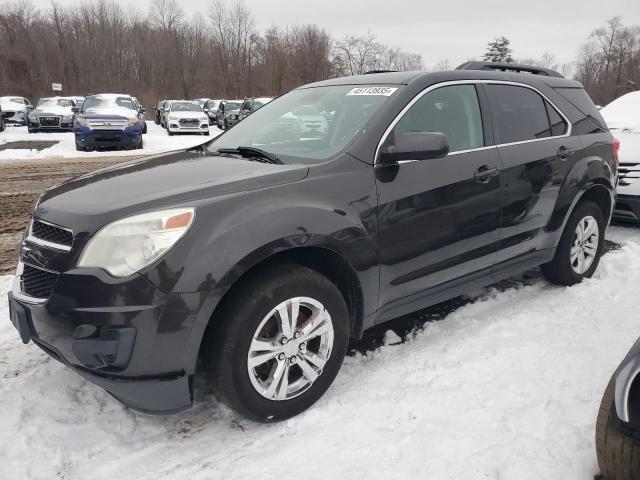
(452, 110)
(519, 113)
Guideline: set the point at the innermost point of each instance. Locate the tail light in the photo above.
(615, 144)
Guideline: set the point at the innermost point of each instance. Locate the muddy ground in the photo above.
(21, 182)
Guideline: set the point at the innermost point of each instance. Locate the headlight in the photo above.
(234, 116)
(82, 121)
(204, 119)
(33, 118)
(128, 245)
(67, 118)
(132, 121)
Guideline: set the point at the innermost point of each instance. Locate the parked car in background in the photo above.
(77, 100)
(312, 122)
(165, 112)
(219, 114)
(141, 113)
(157, 112)
(618, 424)
(2, 127)
(108, 120)
(259, 254)
(52, 114)
(201, 101)
(15, 110)
(250, 105)
(231, 113)
(210, 108)
(623, 118)
(186, 116)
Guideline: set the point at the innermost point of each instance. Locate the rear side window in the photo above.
(558, 125)
(579, 98)
(519, 113)
(452, 110)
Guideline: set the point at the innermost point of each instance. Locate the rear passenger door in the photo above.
(536, 152)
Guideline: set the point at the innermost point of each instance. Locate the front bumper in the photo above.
(14, 118)
(130, 137)
(61, 126)
(175, 127)
(627, 208)
(124, 335)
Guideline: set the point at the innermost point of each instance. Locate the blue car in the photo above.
(109, 121)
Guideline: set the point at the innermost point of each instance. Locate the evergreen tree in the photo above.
(499, 51)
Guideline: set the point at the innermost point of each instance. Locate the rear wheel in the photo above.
(144, 127)
(580, 247)
(618, 453)
(281, 341)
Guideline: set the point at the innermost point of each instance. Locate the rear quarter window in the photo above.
(580, 99)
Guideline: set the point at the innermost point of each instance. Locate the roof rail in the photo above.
(508, 67)
(379, 71)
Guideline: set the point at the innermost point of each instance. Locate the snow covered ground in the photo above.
(506, 387)
(156, 140)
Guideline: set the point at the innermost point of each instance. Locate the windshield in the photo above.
(92, 104)
(232, 106)
(280, 127)
(54, 102)
(185, 107)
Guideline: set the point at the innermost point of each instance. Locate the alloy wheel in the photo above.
(584, 249)
(289, 348)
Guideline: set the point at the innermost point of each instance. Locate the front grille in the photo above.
(628, 173)
(49, 121)
(49, 233)
(189, 122)
(116, 124)
(38, 283)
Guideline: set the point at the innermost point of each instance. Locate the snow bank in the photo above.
(623, 112)
(506, 387)
(156, 140)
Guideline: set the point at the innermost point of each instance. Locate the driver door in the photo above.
(438, 218)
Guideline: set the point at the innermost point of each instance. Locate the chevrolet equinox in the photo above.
(260, 253)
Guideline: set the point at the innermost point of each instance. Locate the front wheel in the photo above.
(580, 247)
(280, 342)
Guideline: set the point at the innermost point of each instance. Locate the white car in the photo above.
(623, 119)
(15, 110)
(186, 116)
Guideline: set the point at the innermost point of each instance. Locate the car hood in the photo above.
(110, 112)
(13, 106)
(53, 111)
(86, 203)
(629, 145)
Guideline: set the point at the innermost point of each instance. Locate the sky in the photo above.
(456, 30)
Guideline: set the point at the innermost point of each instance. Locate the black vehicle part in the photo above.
(617, 444)
(103, 347)
(559, 270)
(229, 337)
(508, 67)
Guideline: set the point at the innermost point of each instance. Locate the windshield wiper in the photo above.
(255, 153)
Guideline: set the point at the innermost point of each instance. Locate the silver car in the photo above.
(55, 113)
(15, 110)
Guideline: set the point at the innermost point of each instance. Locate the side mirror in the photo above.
(205, 110)
(75, 109)
(416, 146)
(142, 110)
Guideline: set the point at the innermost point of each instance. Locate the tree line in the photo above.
(100, 46)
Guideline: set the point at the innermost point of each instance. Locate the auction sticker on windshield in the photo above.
(384, 91)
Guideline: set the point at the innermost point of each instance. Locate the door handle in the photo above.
(564, 152)
(484, 174)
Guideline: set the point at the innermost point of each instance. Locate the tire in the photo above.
(206, 134)
(144, 127)
(226, 125)
(31, 130)
(141, 144)
(560, 270)
(170, 132)
(227, 343)
(618, 454)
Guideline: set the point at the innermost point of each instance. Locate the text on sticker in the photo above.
(384, 91)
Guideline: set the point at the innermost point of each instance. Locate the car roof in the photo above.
(110, 95)
(427, 78)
